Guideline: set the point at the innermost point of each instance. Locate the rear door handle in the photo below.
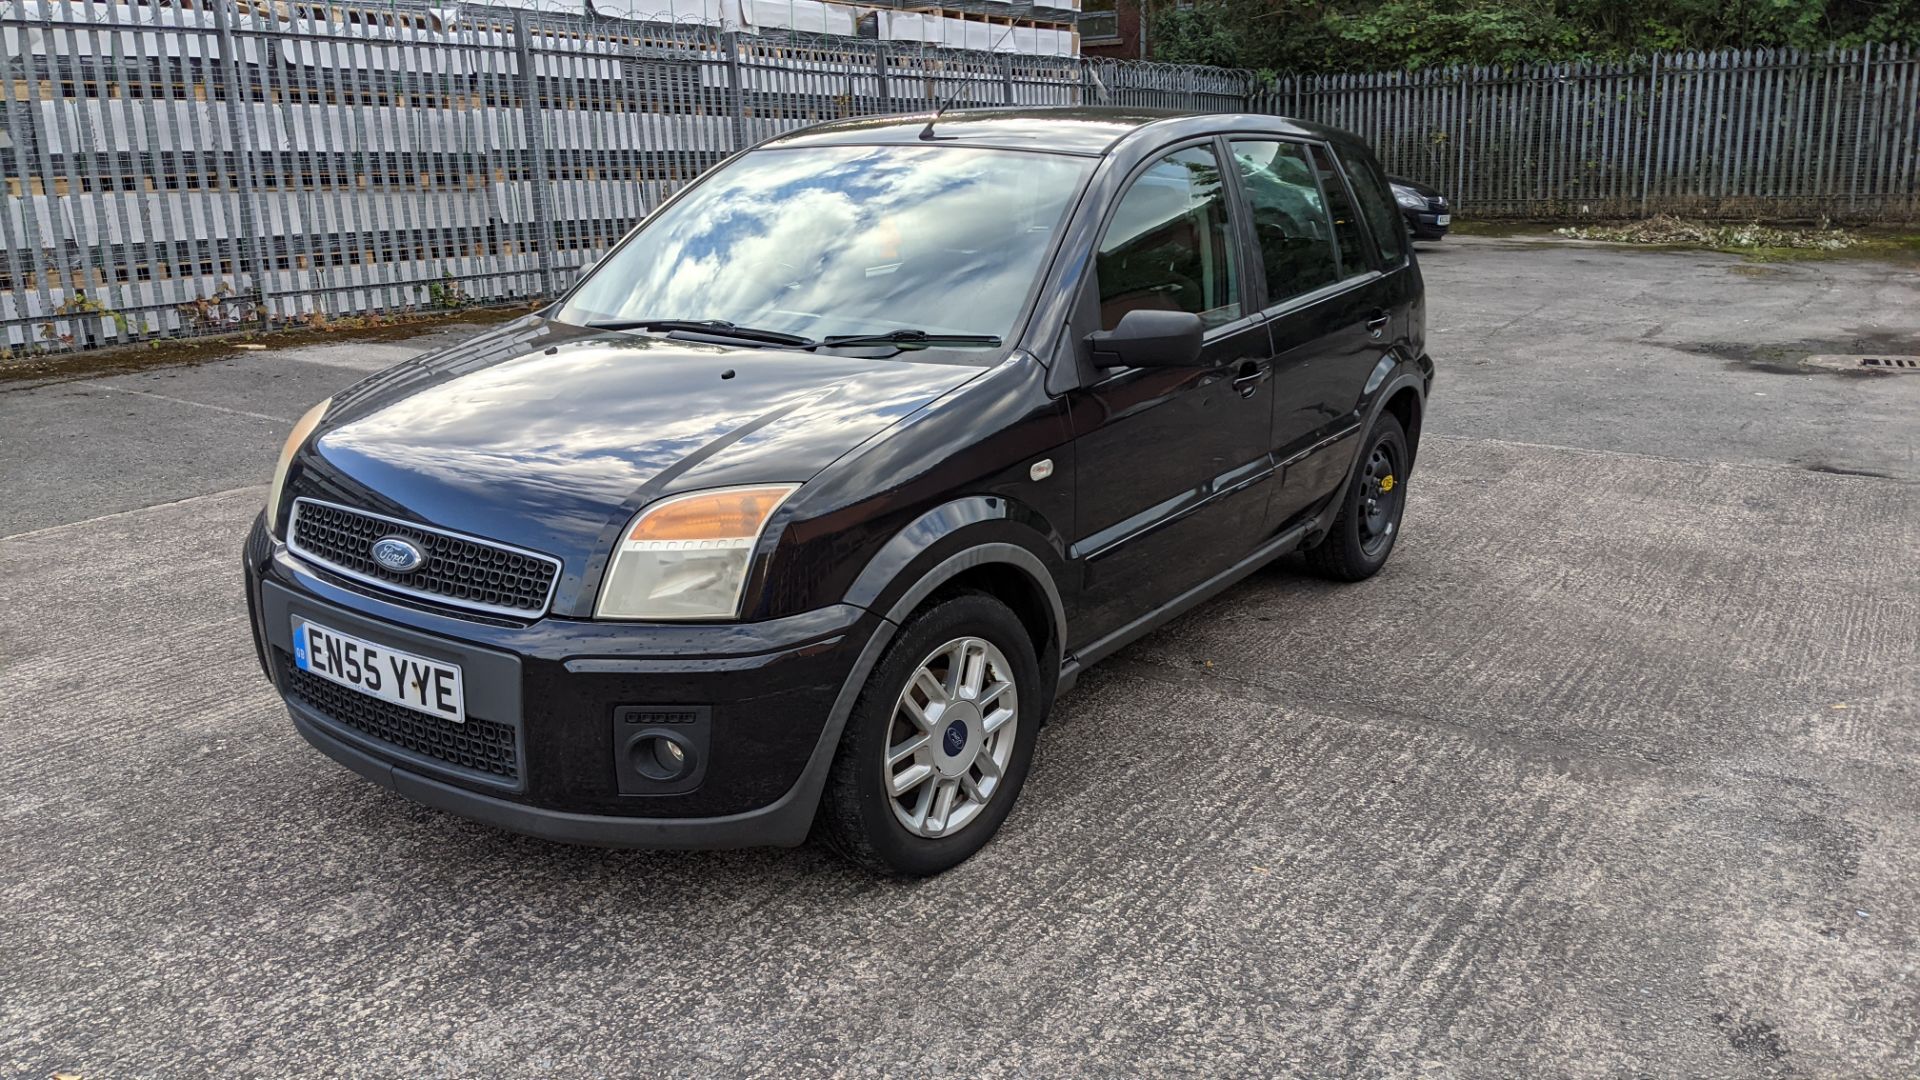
(1251, 375)
(1378, 324)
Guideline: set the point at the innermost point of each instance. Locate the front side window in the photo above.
(1290, 219)
(1376, 204)
(845, 240)
(1169, 246)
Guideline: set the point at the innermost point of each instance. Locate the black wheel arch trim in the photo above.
(953, 538)
(889, 579)
(1407, 375)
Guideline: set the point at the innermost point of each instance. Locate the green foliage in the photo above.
(446, 294)
(1353, 35)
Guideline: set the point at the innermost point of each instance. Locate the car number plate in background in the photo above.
(1443, 219)
(402, 678)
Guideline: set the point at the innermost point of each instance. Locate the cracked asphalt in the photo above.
(1614, 771)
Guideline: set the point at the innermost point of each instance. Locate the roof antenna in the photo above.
(926, 133)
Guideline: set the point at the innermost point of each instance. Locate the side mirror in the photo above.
(1160, 339)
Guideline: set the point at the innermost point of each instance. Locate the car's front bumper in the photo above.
(1425, 224)
(770, 698)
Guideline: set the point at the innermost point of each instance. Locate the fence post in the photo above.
(1647, 134)
(1462, 102)
(1008, 74)
(533, 120)
(1861, 145)
(736, 93)
(884, 89)
(31, 258)
(240, 133)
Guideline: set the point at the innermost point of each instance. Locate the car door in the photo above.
(1391, 239)
(1327, 312)
(1170, 463)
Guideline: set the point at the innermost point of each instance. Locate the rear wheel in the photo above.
(938, 744)
(1363, 534)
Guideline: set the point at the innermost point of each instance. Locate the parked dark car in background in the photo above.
(1425, 209)
(810, 499)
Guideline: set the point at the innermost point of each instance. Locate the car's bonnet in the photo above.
(1413, 185)
(547, 438)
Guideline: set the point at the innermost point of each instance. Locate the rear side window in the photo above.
(1377, 206)
(1354, 258)
(1290, 219)
(1169, 246)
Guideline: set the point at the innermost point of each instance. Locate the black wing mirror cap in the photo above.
(1158, 339)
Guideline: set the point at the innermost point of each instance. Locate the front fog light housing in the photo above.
(687, 557)
(295, 439)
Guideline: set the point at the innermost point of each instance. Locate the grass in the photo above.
(1500, 228)
(1900, 247)
(189, 351)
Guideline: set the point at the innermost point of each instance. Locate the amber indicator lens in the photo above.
(720, 515)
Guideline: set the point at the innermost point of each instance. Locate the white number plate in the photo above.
(402, 678)
(1443, 219)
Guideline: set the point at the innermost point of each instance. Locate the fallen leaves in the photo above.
(1667, 229)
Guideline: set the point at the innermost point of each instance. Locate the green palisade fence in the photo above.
(1753, 133)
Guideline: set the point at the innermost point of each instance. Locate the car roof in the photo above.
(1074, 129)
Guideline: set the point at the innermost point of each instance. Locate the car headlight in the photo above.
(295, 439)
(687, 557)
(1409, 198)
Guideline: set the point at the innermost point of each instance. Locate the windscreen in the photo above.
(845, 240)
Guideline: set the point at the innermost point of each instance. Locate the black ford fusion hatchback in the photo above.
(801, 508)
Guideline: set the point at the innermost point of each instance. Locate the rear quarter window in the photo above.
(1376, 205)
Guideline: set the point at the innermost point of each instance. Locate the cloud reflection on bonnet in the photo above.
(845, 239)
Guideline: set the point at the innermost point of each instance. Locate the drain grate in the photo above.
(1878, 363)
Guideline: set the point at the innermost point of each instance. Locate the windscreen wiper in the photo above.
(716, 327)
(909, 339)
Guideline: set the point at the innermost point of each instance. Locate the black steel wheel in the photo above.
(1363, 534)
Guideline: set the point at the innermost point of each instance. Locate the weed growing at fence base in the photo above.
(187, 352)
(1757, 242)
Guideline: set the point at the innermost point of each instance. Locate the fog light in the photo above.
(658, 755)
(660, 749)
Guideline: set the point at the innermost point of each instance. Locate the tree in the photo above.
(1349, 35)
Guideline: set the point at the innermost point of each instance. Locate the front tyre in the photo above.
(1364, 533)
(938, 742)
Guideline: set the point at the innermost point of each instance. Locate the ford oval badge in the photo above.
(395, 554)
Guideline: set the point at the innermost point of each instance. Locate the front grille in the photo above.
(477, 746)
(1437, 204)
(457, 570)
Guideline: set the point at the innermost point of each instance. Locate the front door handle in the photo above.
(1251, 375)
(1378, 324)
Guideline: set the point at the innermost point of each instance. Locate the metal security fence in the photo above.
(1743, 134)
(175, 167)
(197, 166)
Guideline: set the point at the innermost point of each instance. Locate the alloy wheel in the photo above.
(951, 737)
